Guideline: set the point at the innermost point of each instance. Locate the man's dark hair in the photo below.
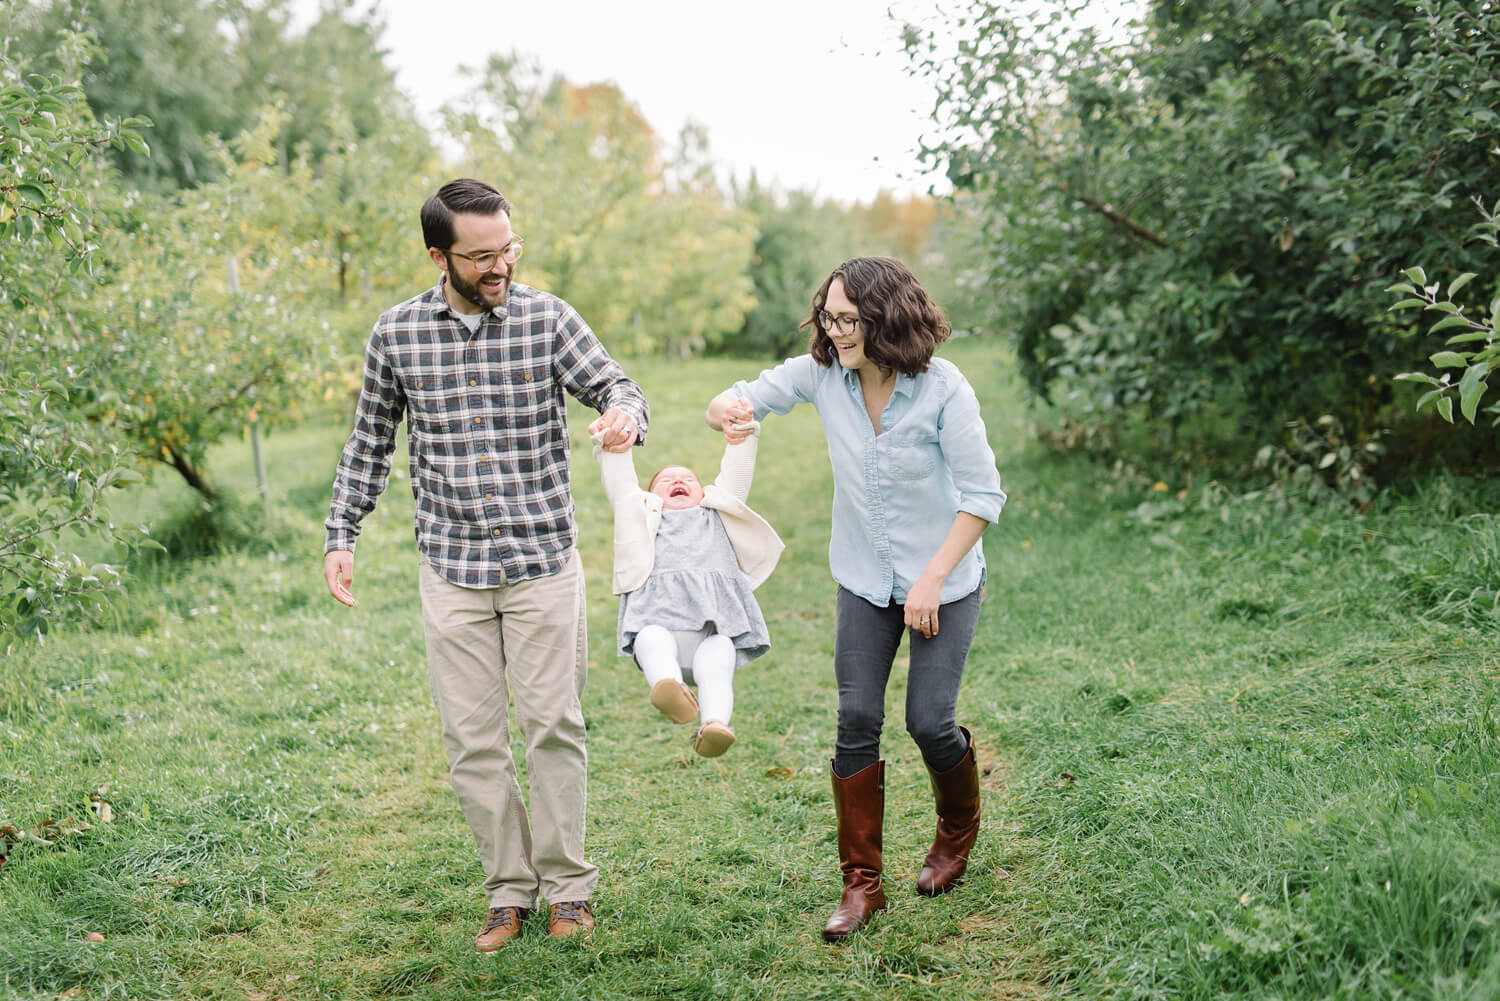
(462, 195)
(901, 323)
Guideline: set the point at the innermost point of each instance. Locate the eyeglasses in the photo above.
(488, 259)
(843, 324)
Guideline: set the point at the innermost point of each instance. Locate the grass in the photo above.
(1228, 750)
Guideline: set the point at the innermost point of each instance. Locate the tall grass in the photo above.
(1228, 751)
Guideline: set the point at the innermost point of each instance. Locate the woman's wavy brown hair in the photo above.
(902, 325)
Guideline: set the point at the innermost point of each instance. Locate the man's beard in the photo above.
(476, 292)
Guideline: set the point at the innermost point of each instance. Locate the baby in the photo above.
(687, 561)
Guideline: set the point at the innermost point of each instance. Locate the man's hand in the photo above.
(620, 431)
(338, 573)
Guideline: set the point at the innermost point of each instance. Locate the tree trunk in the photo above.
(189, 472)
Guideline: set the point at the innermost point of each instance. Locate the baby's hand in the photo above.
(736, 433)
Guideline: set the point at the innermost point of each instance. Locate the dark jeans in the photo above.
(865, 640)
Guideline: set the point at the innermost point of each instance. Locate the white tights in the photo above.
(657, 651)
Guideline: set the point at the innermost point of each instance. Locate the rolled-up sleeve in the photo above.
(966, 449)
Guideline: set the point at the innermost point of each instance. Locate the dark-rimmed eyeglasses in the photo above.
(490, 258)
(843, 324)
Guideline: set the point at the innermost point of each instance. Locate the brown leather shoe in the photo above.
(503, 924)
(956, 795)
(859, 805)
(674, 700)
(712, 739)
(569, 917)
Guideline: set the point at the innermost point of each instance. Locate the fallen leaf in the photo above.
(1245, 899)
(93, 936)
(101, 808)
(779, 772)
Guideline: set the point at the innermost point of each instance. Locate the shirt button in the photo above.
(489, 496)
(528, 376)
(476, 420)
(419, 383)
(473, 382)
(497, 531)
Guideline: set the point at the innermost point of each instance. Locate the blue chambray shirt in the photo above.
(895, 495)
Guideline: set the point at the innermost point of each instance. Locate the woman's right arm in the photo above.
(775, 391)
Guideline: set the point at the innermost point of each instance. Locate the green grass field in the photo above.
(1230, 750)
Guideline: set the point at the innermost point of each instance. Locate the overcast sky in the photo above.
(813, 94)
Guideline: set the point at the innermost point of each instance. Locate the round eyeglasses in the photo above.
(490, 258)
(843, 324)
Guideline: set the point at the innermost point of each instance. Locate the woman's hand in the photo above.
(925, 596)
(737, 417)
(922, 603)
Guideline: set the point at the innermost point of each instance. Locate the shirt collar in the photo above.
(440, 303)
(905, 384)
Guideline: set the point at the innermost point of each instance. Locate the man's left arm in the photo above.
(587, 371)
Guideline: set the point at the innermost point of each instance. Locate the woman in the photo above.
(915, 486)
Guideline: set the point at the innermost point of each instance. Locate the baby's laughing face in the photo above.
(678, 488)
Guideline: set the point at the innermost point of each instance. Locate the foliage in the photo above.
(332, 79)
(220, 311)
(801, 238)
(167, 61)
(651, 265)
(55, 467)
(1199, 214)
(201, 70)
(1472, 349)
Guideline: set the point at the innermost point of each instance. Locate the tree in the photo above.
(56, 468)
(1202, 215)
(229, 306)
(651, 264)
(201, 70)
(170, 62)
(802, 238)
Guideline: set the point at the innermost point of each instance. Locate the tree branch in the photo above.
(1131, 227)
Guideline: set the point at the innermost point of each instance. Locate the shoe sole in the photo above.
(674, 701)
(713, 740)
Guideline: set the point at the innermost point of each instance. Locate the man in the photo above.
(478, 365)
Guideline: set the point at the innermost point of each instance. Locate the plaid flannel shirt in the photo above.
(487, 431)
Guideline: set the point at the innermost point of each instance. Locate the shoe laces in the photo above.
(501, 917)
(572, 910)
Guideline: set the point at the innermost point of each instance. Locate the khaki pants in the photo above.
(530, 638)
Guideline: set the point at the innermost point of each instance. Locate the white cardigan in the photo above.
(638, 514)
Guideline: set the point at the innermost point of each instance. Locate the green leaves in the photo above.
(1470, 388)
(1286, 156)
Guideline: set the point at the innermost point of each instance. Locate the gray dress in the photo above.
(695, 583)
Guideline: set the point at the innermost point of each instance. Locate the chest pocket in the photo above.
(431, 399)
(910, 456)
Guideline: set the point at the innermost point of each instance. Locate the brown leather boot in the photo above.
(956, 792)
(859, 805)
